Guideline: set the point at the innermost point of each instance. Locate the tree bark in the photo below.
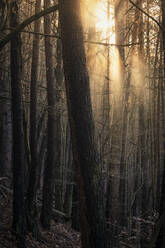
(18, 134)
(33, 173)
(49, 173)
(85, 153)
(5, 116)
(58, 134)
(69, 178)
(160, 242)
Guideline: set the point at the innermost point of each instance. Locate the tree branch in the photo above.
(149, 16)
(25, 23)
(86, 41)
(37, 33)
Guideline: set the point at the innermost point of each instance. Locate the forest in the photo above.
(82, 123)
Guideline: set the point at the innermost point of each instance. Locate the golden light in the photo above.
(103, 61)
(104, 22)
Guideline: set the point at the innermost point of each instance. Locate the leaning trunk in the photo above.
(85, 153)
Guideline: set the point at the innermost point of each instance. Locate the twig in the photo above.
(149, 16)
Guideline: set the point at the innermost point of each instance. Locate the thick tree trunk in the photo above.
(18, 134)
(33, 174)
(48, 187)
(85, 154)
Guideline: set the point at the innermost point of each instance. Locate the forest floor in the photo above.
(60, 236)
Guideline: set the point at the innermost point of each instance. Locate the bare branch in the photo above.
(145, 13)
(25, 23)
(42, 34)
(86, 41)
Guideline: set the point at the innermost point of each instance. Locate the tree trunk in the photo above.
(119, 30)
(59, 157)
(85, 153)
(123, 186)
(160, 242)
(5, 116)
(69, 177)
(33, 174)
(18, 134)
(49, 174)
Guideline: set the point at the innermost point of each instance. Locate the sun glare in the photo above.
(105, 25)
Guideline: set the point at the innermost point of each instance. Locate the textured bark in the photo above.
(18, 134)
(92, 215)
(49, 173)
